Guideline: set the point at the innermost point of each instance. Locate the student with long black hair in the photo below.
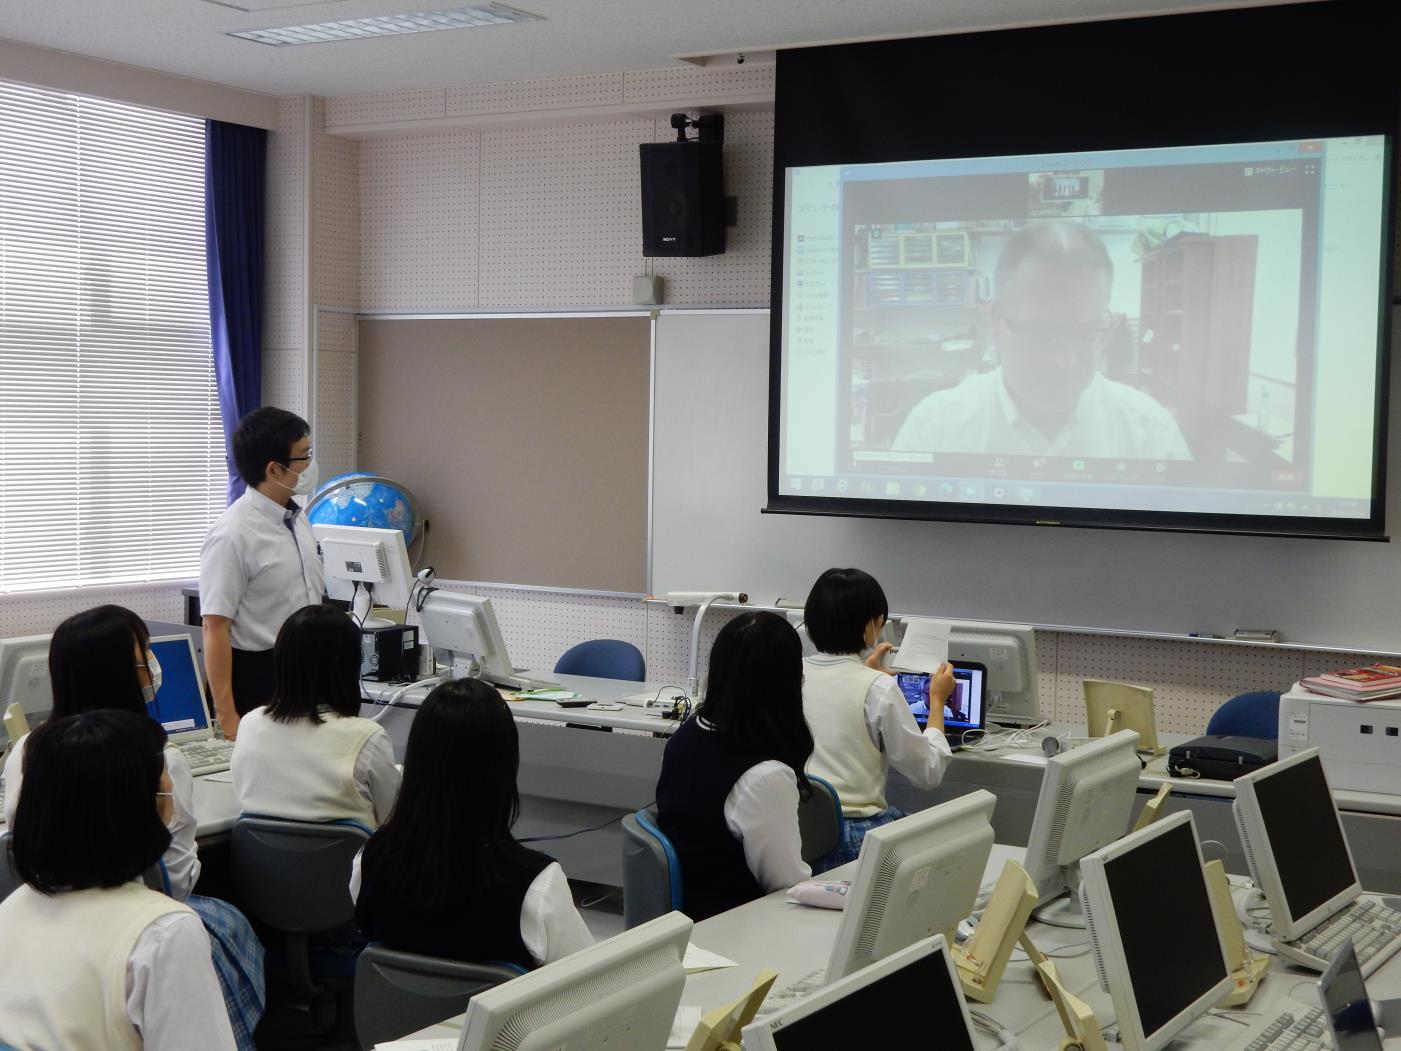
(308, 755)
(444, 876)
(732, 775)
(100, 659)
(93, 960)
(861, 722)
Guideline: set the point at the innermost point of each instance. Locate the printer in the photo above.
(1360, 742)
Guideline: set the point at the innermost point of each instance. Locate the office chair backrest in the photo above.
(294, 876)
(1248, 715)
(397, 993)
(820, 820)
(605, 659)
(9, 878)
(652, 884)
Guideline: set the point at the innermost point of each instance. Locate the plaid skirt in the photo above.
(854, 830)
(238, 961)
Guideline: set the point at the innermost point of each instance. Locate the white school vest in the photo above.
(301, 771)
(63, 965)
(834, 703)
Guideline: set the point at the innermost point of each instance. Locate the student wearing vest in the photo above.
(101, 659)
(861, 723)
(92, 959)
(444, 876)
(308, 756)
(732, 774)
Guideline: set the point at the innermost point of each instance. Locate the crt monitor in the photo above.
(464, 633)
(24, 676)
(840, 1014)
(365, 566)
(915, 878)
(1008, 652)
(1085, 803)
(1294, 843)
(1156, 944)
(618, 995)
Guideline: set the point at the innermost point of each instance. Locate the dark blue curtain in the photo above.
(235, 159)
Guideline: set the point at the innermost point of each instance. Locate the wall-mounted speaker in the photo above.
(683, 198)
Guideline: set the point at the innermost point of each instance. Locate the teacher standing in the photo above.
(259, 564)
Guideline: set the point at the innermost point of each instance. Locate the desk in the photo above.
(578, 769)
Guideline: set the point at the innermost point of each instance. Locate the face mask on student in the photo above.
(153, 665)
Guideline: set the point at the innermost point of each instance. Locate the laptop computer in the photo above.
(181, 707)
(966, 708)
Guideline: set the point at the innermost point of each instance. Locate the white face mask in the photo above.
(154, 666)
(306, 481)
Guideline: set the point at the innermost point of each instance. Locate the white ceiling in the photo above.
(577, 36)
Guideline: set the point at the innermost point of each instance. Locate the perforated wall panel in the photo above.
(561, 221)
(40, 614)
(739, 277)
(335, 438)
(335, 216)
(558, 93)
(386, 108)
(418, 222)
(682, 83)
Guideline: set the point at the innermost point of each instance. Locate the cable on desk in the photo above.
(580, 831)
(985, 1022)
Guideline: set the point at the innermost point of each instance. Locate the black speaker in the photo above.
(683, 198)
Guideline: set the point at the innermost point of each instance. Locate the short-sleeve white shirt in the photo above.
(258, 572)
(1112, 421)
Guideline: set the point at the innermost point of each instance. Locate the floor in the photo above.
(285, 1028)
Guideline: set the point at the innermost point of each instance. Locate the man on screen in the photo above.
(1048, 396)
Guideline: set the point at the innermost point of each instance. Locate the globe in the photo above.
(362, 498)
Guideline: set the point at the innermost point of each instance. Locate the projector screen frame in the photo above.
(1324, 108)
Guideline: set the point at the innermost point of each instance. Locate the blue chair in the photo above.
(603, 659)
(651, 870)
(1248, 715)
(820, 820)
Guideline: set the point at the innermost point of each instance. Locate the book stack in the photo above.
(1375, 682)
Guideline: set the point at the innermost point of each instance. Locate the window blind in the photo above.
(111, 450)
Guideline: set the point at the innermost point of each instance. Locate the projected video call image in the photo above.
(1186, 329)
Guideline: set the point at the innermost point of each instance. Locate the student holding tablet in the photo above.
(732, 775)
(94, 960)
(308, 756)
(861, 723)
(444, 876)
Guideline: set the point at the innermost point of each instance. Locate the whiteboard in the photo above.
(709, 483)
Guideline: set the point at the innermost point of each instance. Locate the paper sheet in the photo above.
(924, 647)
(419, 1045)
(684, 1025)
(698, 959)
(224, 777)
(1030, 758)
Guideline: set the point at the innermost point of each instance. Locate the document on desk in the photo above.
(418, 1045)
(683, 1027)
(698, 959)
(924, 647)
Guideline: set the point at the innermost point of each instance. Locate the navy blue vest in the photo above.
(486, 931)
(699, 768)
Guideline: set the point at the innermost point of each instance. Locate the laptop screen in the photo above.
(1346, 1004)
(966, 707)
(179, 704)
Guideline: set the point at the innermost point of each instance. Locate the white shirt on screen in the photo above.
(1111, 421)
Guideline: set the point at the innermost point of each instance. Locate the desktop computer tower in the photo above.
(389, 654)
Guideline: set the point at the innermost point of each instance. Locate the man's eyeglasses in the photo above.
(293, 459)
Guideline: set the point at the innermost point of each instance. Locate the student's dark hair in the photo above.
(265, 435)
(449, 834)
(92, 661)
(87, 816)
(839, 606)
(316, 660)
(754, 692)
(1065, 244)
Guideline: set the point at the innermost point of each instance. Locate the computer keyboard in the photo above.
(1375, 931)
(781, 998)
(1296, 1027)
(207, 757)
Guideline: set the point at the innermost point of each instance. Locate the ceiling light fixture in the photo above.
(387, 25)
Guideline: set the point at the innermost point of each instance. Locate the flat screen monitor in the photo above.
(1346, 1005)
(1008, 652)
(24, 676)
(1294, 843)
(618, 995)
(915, 877)
(366, 566)
(841, 1013)
(1085, 803)
(463, 630)
(1156, 944)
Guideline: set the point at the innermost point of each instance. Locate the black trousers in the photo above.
(253, 679)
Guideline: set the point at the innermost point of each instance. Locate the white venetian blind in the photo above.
(111, 449)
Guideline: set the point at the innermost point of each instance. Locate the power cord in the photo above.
(1007, 1039)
